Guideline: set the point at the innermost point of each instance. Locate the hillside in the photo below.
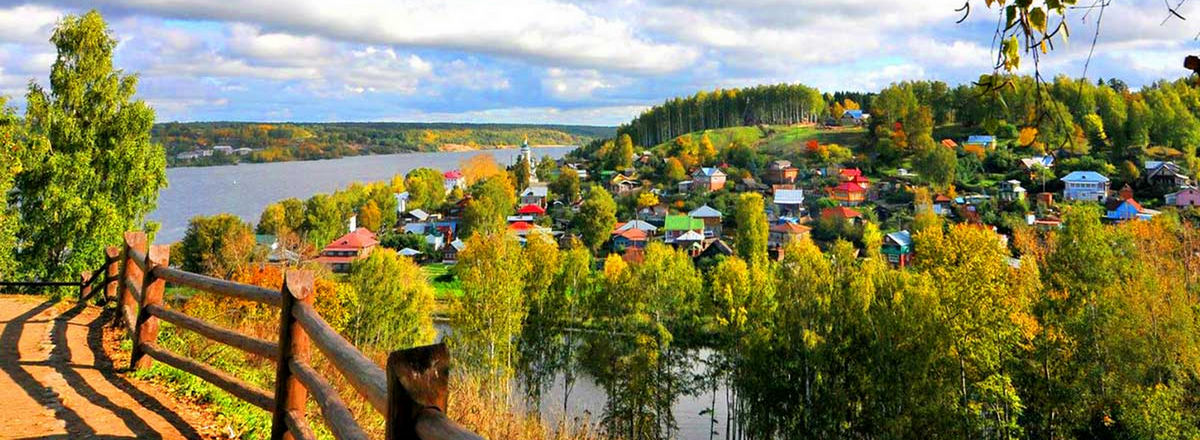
(278, 142)
(777, 139)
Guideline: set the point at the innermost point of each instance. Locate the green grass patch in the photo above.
(722, 137)
(443, 281)
(791, 139)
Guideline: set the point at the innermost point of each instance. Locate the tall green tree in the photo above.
(395, 302)
(12, 136)
(566, 185)
(492, 201)
(323, 220)
(489, 314)
(92, 171)
(216, 245)
(752, 232)
(426, 189)
(597, 217)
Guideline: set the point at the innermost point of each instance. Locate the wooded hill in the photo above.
(277, 142)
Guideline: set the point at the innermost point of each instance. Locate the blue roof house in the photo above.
(1085, 185)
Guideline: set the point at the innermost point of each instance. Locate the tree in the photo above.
(323, 221)
(481, 166)
(216, 245)
(492, 201)
(12, 133)
(90, 171)
(936, 164)
(489, 313)
(647, 199)
(597, 217)
(567, 184)
(674, 170)
(707, 152)
(369, 216)
(273, 220)
(426, 189)
(521, 174)
(623, 153)
(545, 168)
(395, 302)
(751, 239)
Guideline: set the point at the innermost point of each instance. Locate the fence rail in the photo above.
(410, 393)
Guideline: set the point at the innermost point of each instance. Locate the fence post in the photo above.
(85, 285)
(290, 394)
(152, 293)
(112, 276)
(417, 379)
(135, 240)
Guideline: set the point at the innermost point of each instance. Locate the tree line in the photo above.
(771, 104)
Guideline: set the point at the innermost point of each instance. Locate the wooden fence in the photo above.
(410, 393)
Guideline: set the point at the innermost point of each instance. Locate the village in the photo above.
(823, 204)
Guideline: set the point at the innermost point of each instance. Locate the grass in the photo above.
(444, 282)
(722, 137)
(779, 138)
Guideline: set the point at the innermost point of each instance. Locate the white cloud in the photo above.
(277, 48)
(545, 31)
(605, 115)
(27, 24)
(574, 85)
(472, 75)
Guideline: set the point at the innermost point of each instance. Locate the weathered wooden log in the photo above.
(113, 272)
(85, 285)
(418, 380)
(290, 394)
(297, 426)
(249, 344)
(221, 379)
(131, 274)
(146, 330)
(364, 375)
(218, 286)
(134, 291)
(337, 416)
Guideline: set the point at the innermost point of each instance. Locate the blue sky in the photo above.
(597, 62)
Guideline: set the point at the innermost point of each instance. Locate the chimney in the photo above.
(353, 222)
(1126, 192)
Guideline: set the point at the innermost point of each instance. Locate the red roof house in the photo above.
(531, 209)
(841, 212)
(347, 249)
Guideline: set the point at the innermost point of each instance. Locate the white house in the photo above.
(223, 149)
(789, 202)
(1085, 185)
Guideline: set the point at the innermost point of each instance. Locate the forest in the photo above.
(277, 142)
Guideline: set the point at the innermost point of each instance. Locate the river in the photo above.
(245, 189)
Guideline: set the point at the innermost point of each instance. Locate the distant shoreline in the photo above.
(445, 148)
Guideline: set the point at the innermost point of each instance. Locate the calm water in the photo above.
(246, 189)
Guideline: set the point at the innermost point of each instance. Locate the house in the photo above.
(532, 210)
(713, 248)
(535, 195)
(409, 252)
(898, 248)
(648, 228)
(675, 226)
(748, 184)
(941, 205)
(1165, 174)
(222, 149)
(453, 179)
(1085, 185)
(654, 213)
(401, 202)
(782, 234)
(789, 202)
(847, 174)
(1030, 163)
(842, 213)
(416, 216)
(853, 118)
(1045, 223)
(243, 151)
(781, 172)
(851, 194)
(1124, 207)
(711, 218)
(629, 238)
(979, 144)
(435, 240)
(1011, 191)
(1188, 196)
(187, 155)
(708, 179)
(949, 143)
(690, 241)
(353, 246)
(450, 252)
(621, 184)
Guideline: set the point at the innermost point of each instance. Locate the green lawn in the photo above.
(442, 280)
(722, 137)
(779, 138)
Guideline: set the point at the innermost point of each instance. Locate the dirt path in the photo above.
(56, 382)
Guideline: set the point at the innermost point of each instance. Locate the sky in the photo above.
(591, 62)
